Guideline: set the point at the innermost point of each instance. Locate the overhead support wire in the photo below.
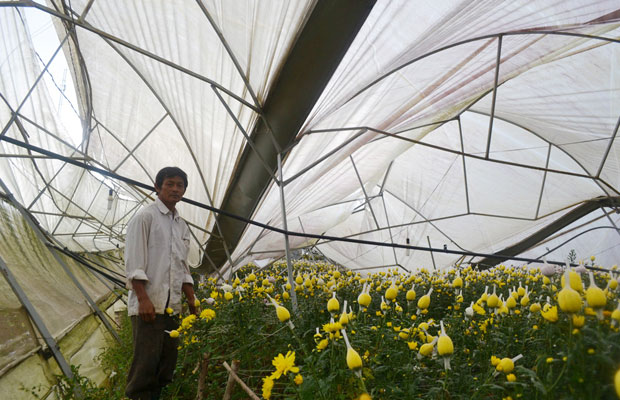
(245, 134)
(493, 101)
(469, 155)
(611, 143)
(466, 184)
(184, 138)
(542, 186)
(387, 219)
(105, 35)
(278, 230)
(599, 181)
(359, 178)
(130, 153)
(325, 156)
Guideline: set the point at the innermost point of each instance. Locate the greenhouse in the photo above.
(385, 199)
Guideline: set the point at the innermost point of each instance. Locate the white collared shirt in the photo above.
(156, 248)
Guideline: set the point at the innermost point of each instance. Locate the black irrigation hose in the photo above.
(272, 228)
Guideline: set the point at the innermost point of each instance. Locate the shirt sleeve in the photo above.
(136, 248)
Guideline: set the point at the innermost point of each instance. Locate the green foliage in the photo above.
(559, 361)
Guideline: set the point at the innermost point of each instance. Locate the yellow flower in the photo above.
(169, 310)
(196, 303)
(426, 349)
(322, 344)
(511, 377)
(412, 345)
(574, 280)
(228, 296)
(207, 314)
(479, 310)
(267, 386)
(365, 396)
(188, 321)
(569, 299)
(298, 379)
(391, 292)
(284, 364)
(578, 320)
(174, 334)
(549, 360)
(551, 314)
(617, 382)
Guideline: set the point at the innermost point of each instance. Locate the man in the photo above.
(156, 249)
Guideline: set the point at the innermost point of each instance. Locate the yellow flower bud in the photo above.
(282, 313)
(354, 361)
(364, 299)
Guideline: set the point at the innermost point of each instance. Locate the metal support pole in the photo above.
(289, 266)
(542, 186)
(387, 219)
(359, 178)
(499, 53)
(39, 232)
(38, 322)
(432, 256)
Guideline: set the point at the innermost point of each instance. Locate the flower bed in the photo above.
(460, 334)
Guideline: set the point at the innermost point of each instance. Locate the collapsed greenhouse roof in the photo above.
(470, 125)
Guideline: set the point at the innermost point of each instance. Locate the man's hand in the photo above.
(146, 310)
(188, 290)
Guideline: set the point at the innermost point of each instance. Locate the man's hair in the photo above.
(170, 172)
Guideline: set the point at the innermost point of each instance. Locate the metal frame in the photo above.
(42, 237)
(359, 178)
(497, 64)
(264, 116)
(289, 264)
(37, 320)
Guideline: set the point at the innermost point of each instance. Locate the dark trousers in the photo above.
(154, 357)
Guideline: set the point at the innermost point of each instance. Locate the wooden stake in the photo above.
(241, 383)
(204, 364)
(231, 381)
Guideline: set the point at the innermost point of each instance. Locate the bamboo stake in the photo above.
(240, 382)
(231, 381)
(202, 377)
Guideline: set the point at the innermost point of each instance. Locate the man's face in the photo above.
(171, 190)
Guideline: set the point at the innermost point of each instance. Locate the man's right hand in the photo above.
(146, 310)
